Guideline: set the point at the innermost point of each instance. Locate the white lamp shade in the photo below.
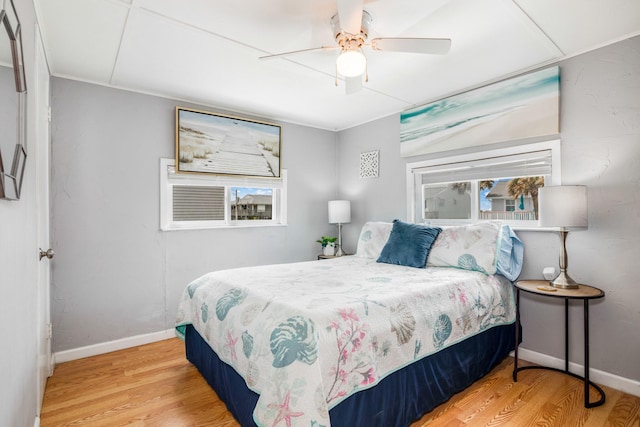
(563, 206)
(339, 211)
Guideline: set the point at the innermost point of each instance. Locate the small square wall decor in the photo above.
(369, 164)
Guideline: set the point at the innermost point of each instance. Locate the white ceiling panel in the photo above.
(279, 24)
(206, 51)
(213, 70)
(579, 25)
(480, 51)
(82, 36)
(400, 18)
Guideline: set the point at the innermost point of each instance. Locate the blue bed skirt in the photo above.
(397, 401)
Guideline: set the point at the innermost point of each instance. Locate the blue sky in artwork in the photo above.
(224, 121)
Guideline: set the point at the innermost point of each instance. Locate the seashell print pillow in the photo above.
(373, 237)
(469, 247)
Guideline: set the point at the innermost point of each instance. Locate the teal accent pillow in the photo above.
(409, 244)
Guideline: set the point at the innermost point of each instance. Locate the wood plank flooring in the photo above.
(154, 385)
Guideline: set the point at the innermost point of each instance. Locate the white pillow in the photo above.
(373, 237)
(469, 247)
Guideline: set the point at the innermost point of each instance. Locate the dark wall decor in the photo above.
(12, 141)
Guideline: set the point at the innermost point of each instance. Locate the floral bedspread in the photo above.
(307, 335)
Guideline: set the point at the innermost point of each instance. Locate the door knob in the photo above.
(49, 253)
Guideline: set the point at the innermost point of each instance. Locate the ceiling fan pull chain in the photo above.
(366, 67)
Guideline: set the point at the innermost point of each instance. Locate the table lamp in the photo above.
(563, 206)
(339, 213)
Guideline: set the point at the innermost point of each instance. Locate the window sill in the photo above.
(219, 227)
(526, 228)
(514, 227)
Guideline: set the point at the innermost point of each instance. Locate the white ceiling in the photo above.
(206, 51)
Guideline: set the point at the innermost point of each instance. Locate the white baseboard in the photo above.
(36, 423)
(107, 347)
(599, 377)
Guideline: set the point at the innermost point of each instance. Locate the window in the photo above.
(196, 201)
(451, 200)
(251, 204)
(499, 184)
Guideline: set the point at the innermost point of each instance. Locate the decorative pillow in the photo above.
(373, 236)
(510, 254)
(408, 244)
(469, 247)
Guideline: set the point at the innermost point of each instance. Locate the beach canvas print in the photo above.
(211, 143)
(521, 107)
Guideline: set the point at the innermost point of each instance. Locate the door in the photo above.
(41, 156)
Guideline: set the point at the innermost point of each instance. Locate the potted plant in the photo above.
(328, 245)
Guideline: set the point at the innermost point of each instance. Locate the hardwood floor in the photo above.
(154, 385)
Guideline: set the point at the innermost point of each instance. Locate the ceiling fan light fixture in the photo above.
(351, 63)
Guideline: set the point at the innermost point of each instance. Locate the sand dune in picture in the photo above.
(228, 150)
(536, 119)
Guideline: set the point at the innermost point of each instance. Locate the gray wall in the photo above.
(600, 131)
(115, 274)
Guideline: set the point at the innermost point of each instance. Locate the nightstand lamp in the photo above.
(563, 206)
(339, 213)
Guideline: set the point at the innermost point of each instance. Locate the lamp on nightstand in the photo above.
(563, 206)
(339, 213)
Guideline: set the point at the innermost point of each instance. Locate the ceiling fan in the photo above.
(351, 29)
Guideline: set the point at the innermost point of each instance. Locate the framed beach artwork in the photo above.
(225, 145)
(520, 107)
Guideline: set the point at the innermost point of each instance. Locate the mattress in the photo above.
(305, 337)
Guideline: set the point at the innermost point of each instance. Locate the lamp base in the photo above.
(340, 252)
(563, 281)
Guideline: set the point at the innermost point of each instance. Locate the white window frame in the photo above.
(169, 178)
(413, 188)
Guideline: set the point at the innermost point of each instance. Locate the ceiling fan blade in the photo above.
(353, 84)
(295, 52)
(412, 45)
(350, 15)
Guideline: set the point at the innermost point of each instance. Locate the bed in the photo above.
(374, 339)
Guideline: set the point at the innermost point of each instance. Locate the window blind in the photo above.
(535, 163)
(198, 203)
